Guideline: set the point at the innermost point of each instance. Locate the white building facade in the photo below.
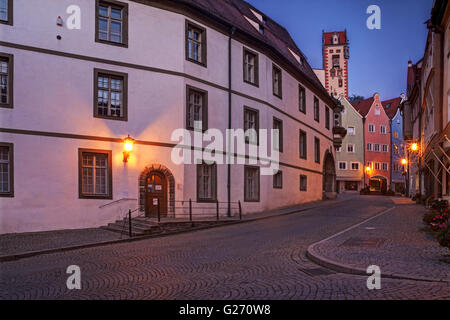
(71, 95)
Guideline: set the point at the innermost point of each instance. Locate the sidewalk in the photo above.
(392, 240)
(20, 245)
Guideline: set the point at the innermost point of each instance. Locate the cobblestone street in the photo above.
(256, 260)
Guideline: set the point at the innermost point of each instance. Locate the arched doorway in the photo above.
(329, 176)
(378, 184)
(157, 185)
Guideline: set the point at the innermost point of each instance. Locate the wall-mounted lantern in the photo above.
(404, 161)
(127, 147)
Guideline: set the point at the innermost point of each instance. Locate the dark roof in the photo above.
(391, 106)
(275, 36)
(363, 106)
(328, 37)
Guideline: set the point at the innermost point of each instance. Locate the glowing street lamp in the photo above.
(414, 147)
(368, 169)
(127, 147)
(404, 161)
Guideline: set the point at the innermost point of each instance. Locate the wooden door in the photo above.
(156, 192)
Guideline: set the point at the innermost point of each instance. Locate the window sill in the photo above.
(203, 64)
(111, 118)
(94, 197)
(117, 44)
(255, 84)
(7, 195)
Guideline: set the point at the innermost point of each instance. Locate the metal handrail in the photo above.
(116, 201)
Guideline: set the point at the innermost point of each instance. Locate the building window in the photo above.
(6, 170)
(336, 61)
(385, 148)
(276, 81)
(350, 148)
(251, 125)
(396, 149)
(110, 94)
(396, 134)
(251, 184)
(340, 83)
(342, 165)
(95, 174)
(385, 166)
(303, 182)
(316, 109)
(302, 144)
(338, 149)
(278, 180)
(377, 111)
(195, 43)
(6, 80)
(377, 166)
(278, 138)
(371, 128)
(377, 147)
(383, 129)
(196, 109)
(316, 150)
(355, 166)
(327, 117)
(112, 22)
(369, 147)
(206, 182)
(301, 99)
(351, 131)
(251, 67)
(395, 167)
(370, 164)
(6, 11)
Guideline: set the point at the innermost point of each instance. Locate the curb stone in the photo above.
(349, 269)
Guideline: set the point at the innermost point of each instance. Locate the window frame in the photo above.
(369, 126)
(383, 128)
(190, 88)
(354, 130)
(256, 67)
(302, 102)
(204, 47)
(316, 150)
(214, 181)
(327, 118)
(247, 167)
(124, 8)
(247, 141)
(109, 195)
(10, 17)
(371, 146)
(353, 147)
(351, 166)
(305, 156)
(375, 147)
(305, 177)
(10, 58)
(10, 193)
(276, 69)
(280, 173)
(116, 74)
(339, 165)
(316, 109)
(275, 119)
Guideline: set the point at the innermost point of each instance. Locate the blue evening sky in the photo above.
(378, 58)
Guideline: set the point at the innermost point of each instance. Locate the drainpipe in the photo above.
(364, 152)
(232, 31)
(391, 156)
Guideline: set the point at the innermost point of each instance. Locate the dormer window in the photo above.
(261, 29)
(264, 20)
(335, 39)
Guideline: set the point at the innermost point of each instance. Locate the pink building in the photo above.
(377, 142)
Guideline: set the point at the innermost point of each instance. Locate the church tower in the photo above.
(335, 62)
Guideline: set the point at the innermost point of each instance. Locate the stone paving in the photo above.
(262, 259)
(19, 243)
(393, 241)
